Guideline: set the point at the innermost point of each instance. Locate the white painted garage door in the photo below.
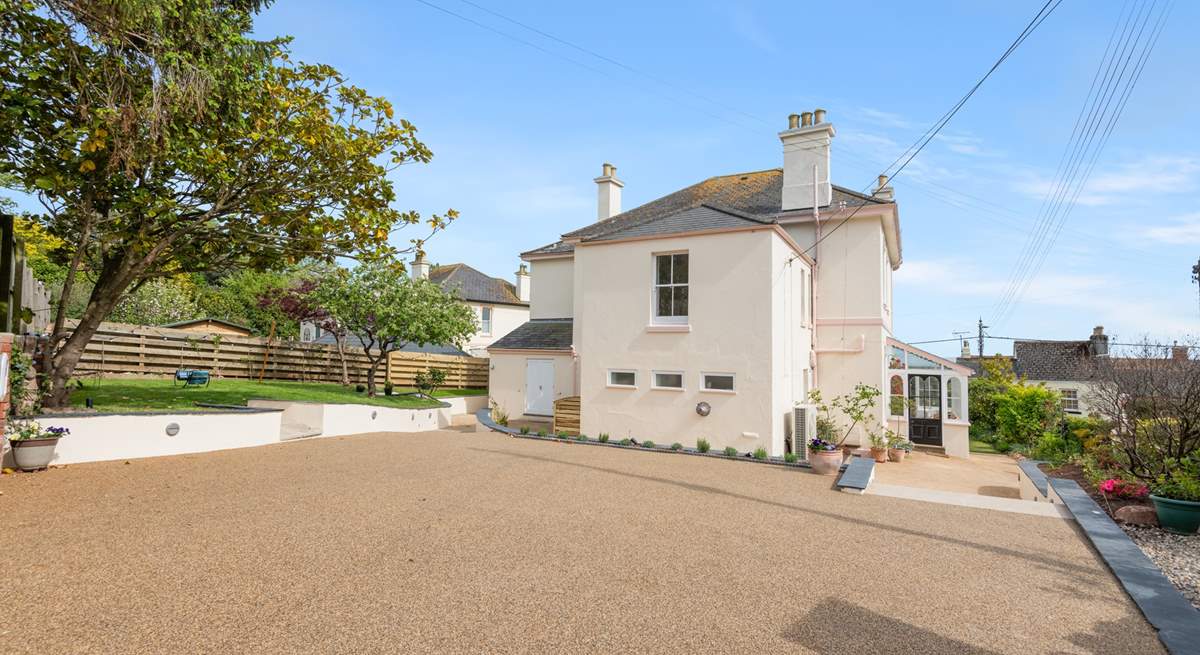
(539, 386)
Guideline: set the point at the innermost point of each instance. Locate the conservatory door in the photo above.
(925, 409)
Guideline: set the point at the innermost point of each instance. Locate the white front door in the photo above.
(539, 386)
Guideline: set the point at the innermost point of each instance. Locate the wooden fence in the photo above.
(566, 415)
(19, 290)
(123, 348)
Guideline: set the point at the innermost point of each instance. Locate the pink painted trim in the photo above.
(852, 320)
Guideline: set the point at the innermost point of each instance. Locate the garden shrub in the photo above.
(760, 453)
(647, 444)
(790, 458)
(429, 380)
(730, 451)
(1025, 412)
(702, 445)
(982, 391)
(563, 435)
(603, 438)
(360, 388)
(541, 433)
(581, 437)
(1181, 482)
(524, 429)
(676, 446)
(389, 388)
(1055, 448)
(626, 441)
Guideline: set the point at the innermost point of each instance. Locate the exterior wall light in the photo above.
(703, 408)
(172, 429)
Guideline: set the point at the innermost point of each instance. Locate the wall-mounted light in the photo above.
(172, 429)
(703, 408)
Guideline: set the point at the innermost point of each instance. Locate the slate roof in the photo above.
(538, 334)
(754, 196)
(1064, 361)
(475, 286)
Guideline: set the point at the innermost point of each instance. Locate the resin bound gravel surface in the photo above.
(1177, 555)
(447, 542)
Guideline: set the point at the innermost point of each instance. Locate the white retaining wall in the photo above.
(127, 436)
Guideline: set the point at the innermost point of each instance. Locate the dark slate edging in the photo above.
(1177, 621)
(440, 403)
(1038, 477)
(857, 474)
(484, 416)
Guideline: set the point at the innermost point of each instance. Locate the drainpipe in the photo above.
(816, 265)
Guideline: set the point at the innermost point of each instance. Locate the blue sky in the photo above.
(518, 134)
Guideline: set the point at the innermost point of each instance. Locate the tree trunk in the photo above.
(340, 339)
(63, 360)
(375, 362)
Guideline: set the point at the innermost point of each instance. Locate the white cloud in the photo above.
(885, 118)
(1181, 230)
(747, 26)
(1154, 173)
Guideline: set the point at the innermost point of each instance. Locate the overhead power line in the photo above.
(909, 154)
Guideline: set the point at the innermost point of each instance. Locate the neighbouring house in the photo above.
(714, 310)
(210, 325)
(499, 305)
(1068, 367)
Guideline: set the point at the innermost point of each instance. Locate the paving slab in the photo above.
(449, 542)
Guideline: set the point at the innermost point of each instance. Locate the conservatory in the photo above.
(927, 399)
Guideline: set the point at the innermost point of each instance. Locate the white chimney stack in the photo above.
(608, 193)
(883, 190)
(420, 268)
(523, 283)
(805, 149)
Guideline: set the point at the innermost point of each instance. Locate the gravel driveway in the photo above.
(451, 542)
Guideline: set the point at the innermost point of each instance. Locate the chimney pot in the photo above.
(793, 121)
(818, 116)
(883, 180)
(806, 119)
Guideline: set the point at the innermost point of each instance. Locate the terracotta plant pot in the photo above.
(897, 454)
(33, 454)
(880, 454)
(825, 462)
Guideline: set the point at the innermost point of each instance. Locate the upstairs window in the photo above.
(671, 288)
(485, 320)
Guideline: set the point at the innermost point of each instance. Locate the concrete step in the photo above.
(932, 450)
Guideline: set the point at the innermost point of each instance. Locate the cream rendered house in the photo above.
(500, 306)
(714, 310)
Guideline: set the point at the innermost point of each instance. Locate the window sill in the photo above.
(677, 389)
(727, 392)
(621, 386)
(668, 327)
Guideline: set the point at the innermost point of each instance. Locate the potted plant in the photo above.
(826, 456)
(898, 447)
(33, 446)
(1176, 497)
(879, 446)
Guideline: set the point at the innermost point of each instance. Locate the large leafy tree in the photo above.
(163, 139)
(387, 310)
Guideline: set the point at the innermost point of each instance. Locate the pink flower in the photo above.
(1109, 486)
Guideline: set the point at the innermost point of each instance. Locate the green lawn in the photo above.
(112, 394)
(978, 446)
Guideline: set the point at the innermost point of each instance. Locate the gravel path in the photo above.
(1177, 555)
(449, 542)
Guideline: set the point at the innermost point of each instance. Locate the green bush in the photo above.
(676, 446)
(389, 388)
(541, 433)
(1053, 447)
(790, 458)
(1182, 482)
(603, 438)
(524, 429)
(626, 441)
(563, 435)
(647, 444)
(760, 453)
(1001, 445)
(429, 380)
(983, 389)
(730, 451)
(702, 445)
(581, 437)
(1025, 412)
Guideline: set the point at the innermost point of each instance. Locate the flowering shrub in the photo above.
(30, 430)
(1118, 488)
(818, 444)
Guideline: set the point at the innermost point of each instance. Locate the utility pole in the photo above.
(982, 327)
(1196, 275)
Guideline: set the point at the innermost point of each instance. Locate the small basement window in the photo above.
(668, 380)
(716, 381)
(622, 378)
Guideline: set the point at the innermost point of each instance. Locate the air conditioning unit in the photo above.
(804, 428)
